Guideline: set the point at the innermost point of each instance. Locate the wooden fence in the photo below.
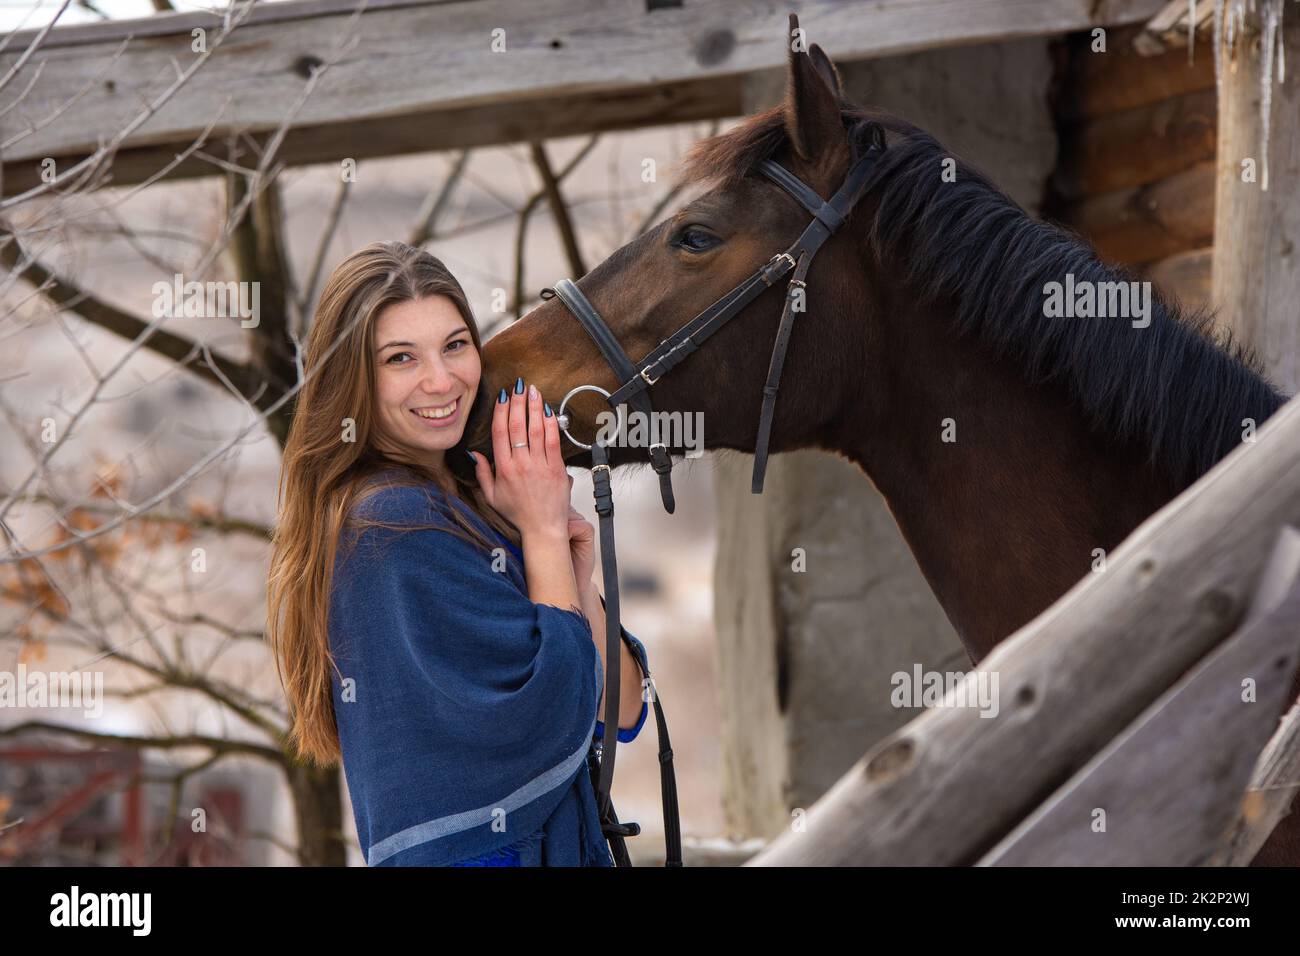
(1126, 734)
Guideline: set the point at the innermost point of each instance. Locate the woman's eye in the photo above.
(457, 342)
(697, 240)
(392, 358)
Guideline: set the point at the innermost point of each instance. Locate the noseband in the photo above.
(828, 216)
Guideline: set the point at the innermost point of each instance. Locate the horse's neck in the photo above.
(1004, 517)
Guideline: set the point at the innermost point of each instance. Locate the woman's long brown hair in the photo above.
(331, 463)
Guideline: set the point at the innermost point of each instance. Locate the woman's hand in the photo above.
(582, 545)
(530, 487)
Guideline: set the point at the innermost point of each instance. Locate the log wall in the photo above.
(1135, 173)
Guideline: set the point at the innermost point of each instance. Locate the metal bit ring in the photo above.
(562, 419)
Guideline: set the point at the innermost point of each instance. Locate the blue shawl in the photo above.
(466, 711)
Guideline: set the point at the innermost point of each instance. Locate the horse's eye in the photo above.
(695, 239)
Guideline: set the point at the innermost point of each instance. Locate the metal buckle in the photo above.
(648, 380)
(599, 467)
(771, 263)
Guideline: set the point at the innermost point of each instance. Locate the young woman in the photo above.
(434, 620)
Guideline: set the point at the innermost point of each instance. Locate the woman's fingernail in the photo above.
(519, 386)
(532, 392)
(502, 397)
(471, 457)
(547, 407)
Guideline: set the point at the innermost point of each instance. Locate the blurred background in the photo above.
(153, 423)
(80, 803)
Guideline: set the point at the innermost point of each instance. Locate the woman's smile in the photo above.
(439, 416)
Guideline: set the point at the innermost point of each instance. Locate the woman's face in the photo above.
(426, 376)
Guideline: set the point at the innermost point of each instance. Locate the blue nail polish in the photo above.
(547, 408)
(502, 397)
(471, 457)
(519, 386)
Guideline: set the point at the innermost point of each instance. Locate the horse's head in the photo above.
(655, 284)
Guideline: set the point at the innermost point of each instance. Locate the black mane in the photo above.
(1180, 387)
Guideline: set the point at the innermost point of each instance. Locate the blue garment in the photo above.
(465, 711)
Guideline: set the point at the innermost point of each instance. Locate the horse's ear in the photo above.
(812, 98)
(827, 70)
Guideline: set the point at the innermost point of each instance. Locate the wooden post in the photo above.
(1256, 262)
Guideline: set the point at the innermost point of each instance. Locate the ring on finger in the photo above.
(519, 444)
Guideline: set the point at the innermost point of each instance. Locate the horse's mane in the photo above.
(1180, 387)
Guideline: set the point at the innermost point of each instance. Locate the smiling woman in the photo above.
(427, 373)
(432, 613)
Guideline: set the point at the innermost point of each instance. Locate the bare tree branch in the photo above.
(555, 199)
(62, 108)
(269, 405)
(179, 349)
(124, 741)
(33, 46)
(318, 261)
(434, 205)
(521, 228)
(233, 18)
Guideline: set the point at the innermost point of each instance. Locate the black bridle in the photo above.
(828, 216)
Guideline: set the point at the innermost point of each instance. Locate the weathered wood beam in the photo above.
(460, 128)
(418, 60)
(949, 785)
(1276, 780)
(1165, 791)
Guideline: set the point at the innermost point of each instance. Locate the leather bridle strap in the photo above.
(613, 629)
(797, 292)
(828, 216)
(671, 351)
(578, 304)
(612, 829)
(603, 776)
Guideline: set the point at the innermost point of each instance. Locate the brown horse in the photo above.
(925, 323)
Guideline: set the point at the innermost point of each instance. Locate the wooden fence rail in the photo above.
(1167, 790)
(950, 785)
